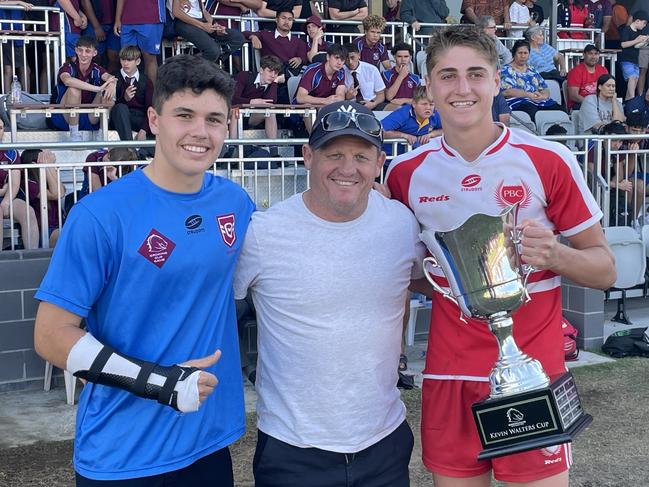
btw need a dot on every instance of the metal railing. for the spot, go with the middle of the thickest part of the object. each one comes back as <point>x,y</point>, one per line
<point>266,179</point>
<point>28,41</point>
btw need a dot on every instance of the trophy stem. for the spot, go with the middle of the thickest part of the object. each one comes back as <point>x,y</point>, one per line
<point>515,371</point>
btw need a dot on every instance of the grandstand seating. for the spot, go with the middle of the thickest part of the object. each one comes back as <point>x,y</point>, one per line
<point>522,120</point>
<point>555,90</point>
<point>546,118</point>
<point>630,263</point>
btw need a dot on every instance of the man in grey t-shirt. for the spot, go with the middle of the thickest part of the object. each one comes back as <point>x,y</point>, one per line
<point>328,271</point>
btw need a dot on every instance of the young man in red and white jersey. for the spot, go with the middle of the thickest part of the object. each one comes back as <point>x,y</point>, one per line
<point>479,166</point>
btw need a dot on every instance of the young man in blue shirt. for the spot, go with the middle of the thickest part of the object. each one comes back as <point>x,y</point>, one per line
<point>148,262</point>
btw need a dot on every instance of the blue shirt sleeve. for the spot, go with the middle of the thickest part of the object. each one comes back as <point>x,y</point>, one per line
<point>80,265</point>
<point>395,120</point>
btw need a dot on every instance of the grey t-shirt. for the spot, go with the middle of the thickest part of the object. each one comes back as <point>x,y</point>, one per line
<point>330,300</point>
<point>594,110</point>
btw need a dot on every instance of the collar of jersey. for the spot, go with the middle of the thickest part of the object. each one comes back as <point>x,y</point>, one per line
<point>491,149</point>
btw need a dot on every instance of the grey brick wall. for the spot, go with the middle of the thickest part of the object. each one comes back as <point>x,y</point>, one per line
<point>20,275</point>
<point>584,308</point>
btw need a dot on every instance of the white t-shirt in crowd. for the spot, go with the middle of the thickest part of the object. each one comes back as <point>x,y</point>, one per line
<point>519,14</point>
<point>330,301</point>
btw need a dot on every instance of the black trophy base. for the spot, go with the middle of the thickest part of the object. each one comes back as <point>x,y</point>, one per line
<point>530,420</point>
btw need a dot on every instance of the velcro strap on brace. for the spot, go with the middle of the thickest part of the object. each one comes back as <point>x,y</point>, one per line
<point>139,377</point>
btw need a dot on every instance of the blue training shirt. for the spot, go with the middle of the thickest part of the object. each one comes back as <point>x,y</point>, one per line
<point>151,271</point>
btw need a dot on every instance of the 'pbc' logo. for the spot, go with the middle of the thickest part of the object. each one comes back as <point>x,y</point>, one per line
<point>510,195</point>
<point>226,226</point>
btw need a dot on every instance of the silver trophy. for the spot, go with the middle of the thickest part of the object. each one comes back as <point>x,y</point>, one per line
<point>487,280</point>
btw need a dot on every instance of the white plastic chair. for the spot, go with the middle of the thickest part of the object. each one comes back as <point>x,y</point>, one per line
<point>522,120</point>
<point>630,263</point>
<point>381,114</point>
<point>555,90</point>
<point>415,306</point>
<point>420,61</point>
<point>544,119</point>
<point>292,85</point>
<point>70,383</point>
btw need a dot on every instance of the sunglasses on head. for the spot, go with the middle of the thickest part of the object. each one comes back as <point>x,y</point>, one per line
<point>340,120</point>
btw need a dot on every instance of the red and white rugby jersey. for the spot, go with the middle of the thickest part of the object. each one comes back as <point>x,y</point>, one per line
<point>443,190</point>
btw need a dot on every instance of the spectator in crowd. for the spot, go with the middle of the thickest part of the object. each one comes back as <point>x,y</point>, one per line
<point>619,18</point>
<point>472,10</point>
<point>234,8</point>
<point>627,186</point>
<point>556,129</point>
<point>391,10</point>
<point>602,107</point>
<point>30,189</point>
<point>544,58</point>
<point>600,12</point>
<point>522,86</point>
<point>197,26</point>
<point>500,111</point>
<point>140,24</point>
<point>315,41</point>
<point>10,203</point>
<point>372,50</point>
<point>74,22</point>
<point>488,24</point>
<point>519,16</point>
<point>636,123</point>
<point>290,49</point>
<point>582,79</point>
<point>347,10</point>
<point>400,82</point>
<point>323,83</point>
<point>417,122</point>
<point>13,59</point>
<point>360,250</point>
<point>134,96</point>
<point>83,82</point>
<point>417,12</point>
<point>100,25</point>
<point>631,41</point>
<point>363,81</point>
<point>259,89</point>
<point>537,16</point>
<point>96,177</point>
<point>573,13</point>
<point>270,8</point>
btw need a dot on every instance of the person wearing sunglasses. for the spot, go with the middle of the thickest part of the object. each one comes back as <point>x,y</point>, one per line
<point>328,270</point>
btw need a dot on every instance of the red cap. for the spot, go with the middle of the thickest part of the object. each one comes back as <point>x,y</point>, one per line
<point>314,19</point>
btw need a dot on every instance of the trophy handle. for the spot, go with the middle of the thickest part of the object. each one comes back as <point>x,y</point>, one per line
<point>432,282</point>
<point>517,235</point>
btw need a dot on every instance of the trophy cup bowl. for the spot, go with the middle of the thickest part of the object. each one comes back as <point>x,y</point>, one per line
<point>487,280</point>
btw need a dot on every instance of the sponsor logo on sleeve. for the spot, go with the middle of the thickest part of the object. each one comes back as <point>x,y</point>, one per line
<point>156,248</point>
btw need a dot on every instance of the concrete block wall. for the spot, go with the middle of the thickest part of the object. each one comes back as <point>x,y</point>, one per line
<point>20,275</point>
<point>22,271</point>
<point>584,308</point>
